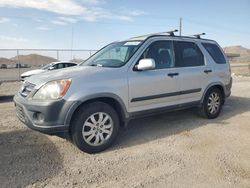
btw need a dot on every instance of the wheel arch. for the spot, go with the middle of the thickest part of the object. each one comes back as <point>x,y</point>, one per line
<point>110,99</point>
<point>218,85</point>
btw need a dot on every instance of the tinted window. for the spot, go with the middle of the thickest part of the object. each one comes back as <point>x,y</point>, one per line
<point>215,53</point>
<point>161,52</point>
<point>187,54</point>
<point>59,66</point>
<point>70,64</point>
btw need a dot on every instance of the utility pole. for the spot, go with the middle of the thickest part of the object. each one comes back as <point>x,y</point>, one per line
<point>180,29</point>
<point>72,42</point>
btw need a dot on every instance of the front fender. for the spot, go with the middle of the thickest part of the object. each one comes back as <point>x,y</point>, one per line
<point>87,98</point>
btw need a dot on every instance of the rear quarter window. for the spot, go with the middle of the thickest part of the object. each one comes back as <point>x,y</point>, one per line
<point>215,52</point>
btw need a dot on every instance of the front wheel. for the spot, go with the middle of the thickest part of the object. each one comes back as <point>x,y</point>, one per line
<point>95,127</point>
<point>212,104</point>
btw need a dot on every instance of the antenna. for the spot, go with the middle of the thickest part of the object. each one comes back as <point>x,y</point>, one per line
<point>198,36</point>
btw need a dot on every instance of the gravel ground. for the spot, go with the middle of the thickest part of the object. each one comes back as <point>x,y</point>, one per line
<point>176,149</point>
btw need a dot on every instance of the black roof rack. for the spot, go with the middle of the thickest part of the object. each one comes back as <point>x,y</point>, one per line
<point>171,33</point>
<point>198,36</point>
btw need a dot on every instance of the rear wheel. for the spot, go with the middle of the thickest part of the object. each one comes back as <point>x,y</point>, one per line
<point>95,127</point>
<point>212,103</point>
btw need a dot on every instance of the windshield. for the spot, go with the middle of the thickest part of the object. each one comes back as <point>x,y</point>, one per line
<point>114,55</point>
<point>46,67</point>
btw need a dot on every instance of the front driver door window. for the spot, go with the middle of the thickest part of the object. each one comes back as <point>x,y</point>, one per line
<point>162,53</point>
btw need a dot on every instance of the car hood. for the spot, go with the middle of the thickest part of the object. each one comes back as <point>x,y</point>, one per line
<point>68,73</point>
<point>32,72</point>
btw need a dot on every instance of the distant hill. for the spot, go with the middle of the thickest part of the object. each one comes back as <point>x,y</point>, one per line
<point>34,59</point>
<point>6,61</point>
<point>243,52</point>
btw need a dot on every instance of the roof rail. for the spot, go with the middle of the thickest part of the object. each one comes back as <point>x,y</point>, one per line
<point>171,33</point>
<point>198,36</point>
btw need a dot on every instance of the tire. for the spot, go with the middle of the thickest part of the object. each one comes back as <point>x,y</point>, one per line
<point>94,127</point>
<point>212,104</point>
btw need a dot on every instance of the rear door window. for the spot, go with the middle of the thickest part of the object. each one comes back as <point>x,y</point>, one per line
<point>215,52</point>
<point>70,65</point>
<point>59,66</point>
<point>187,54</point>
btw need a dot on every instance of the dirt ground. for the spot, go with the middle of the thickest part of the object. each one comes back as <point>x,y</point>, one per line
<point>13,74</point>
<point>177,149</point>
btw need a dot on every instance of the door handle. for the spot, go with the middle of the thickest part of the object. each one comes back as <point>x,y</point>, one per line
<point>207,71</point>
<point>173,74</point>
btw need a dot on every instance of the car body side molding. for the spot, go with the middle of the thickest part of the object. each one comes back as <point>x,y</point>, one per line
<point>165,95</point>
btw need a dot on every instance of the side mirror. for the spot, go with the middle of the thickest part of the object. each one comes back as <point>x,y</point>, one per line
<point>52,68</point>
<point>145,64</point>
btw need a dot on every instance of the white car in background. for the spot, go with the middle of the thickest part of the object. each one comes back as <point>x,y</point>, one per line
<point>51,66</point>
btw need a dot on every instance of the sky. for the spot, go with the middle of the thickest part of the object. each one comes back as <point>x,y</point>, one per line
<point>91,24</point>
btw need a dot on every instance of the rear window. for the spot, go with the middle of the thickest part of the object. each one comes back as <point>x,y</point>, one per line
<point>215,53</point>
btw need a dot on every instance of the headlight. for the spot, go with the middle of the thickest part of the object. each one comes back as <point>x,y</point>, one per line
<point>52,90</point>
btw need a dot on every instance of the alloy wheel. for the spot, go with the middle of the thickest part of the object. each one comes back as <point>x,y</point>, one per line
<point>97,129</point>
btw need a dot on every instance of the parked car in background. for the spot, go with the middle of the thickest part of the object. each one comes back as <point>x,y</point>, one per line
<point>3,66</point>
<point>51,66</point>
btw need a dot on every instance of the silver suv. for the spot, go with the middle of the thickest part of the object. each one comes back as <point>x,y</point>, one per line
<point>124,80</point>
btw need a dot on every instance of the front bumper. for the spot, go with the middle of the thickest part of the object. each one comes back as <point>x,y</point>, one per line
<point>49,117</point>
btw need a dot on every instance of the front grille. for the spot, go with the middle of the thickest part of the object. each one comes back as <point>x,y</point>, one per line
<point>20,113</point>
<point>26,89</point>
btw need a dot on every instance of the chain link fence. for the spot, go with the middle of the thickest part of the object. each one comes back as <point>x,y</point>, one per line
<point>14,62</point>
